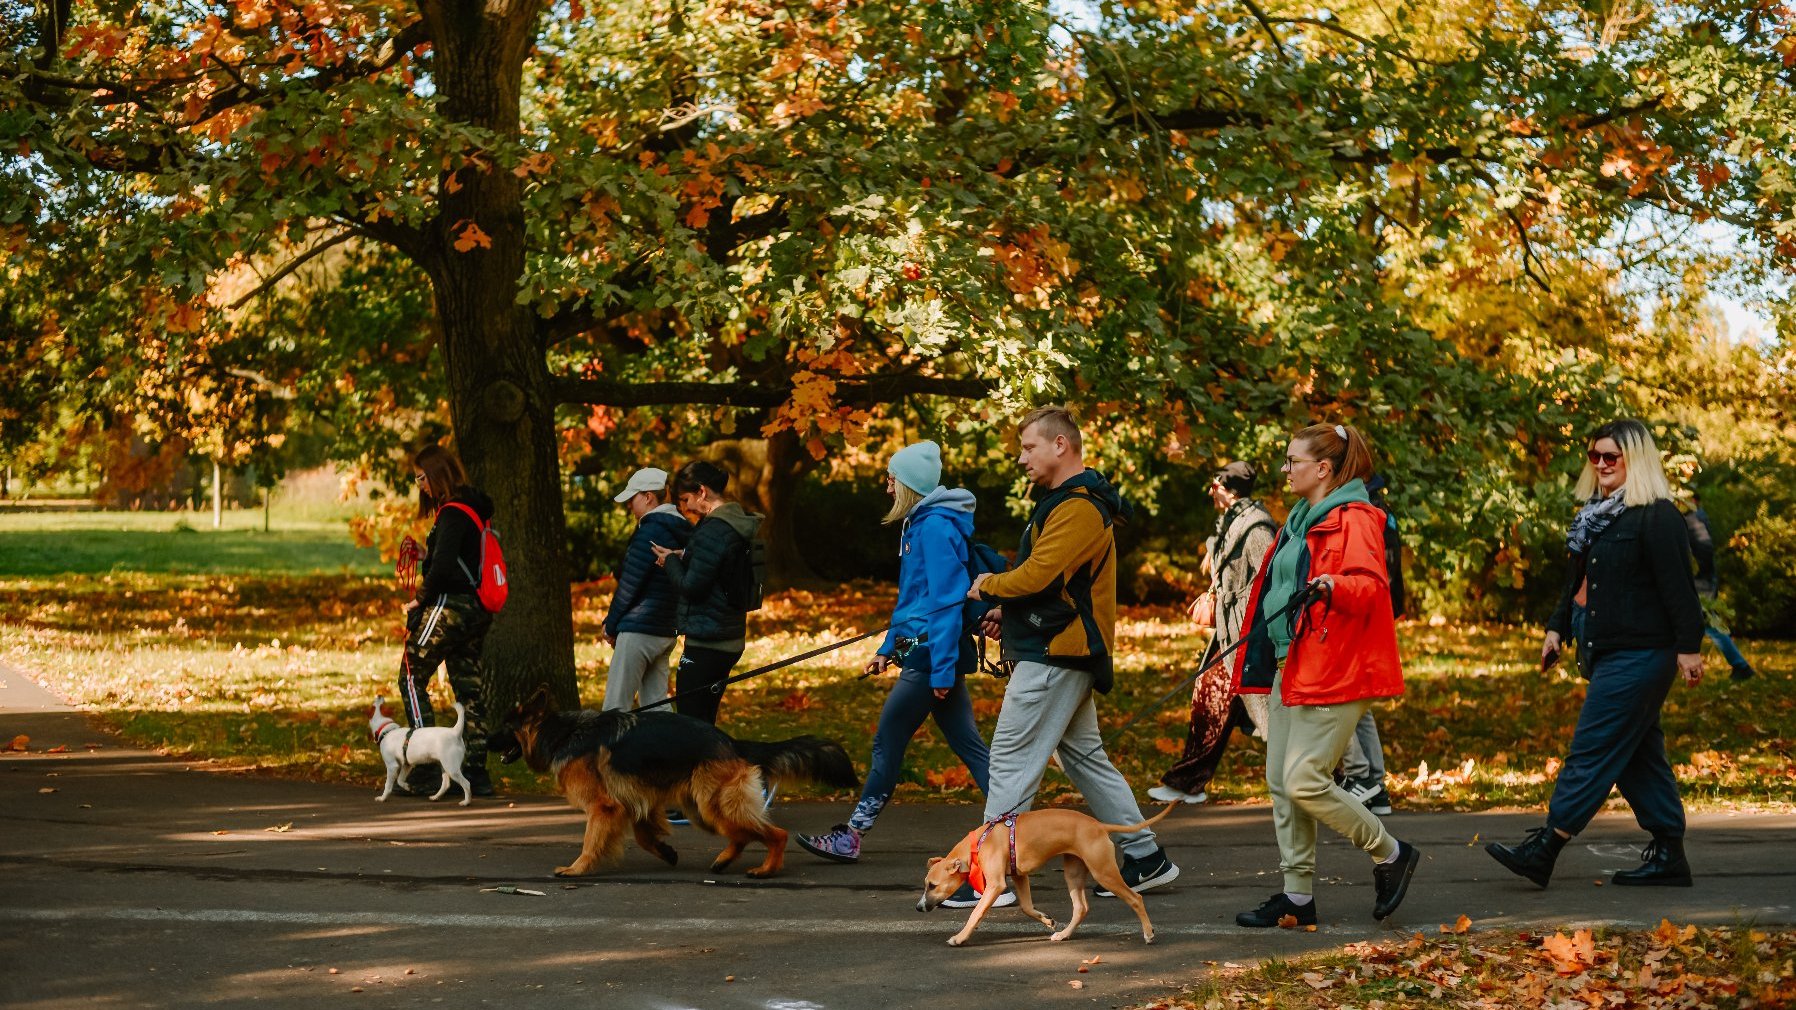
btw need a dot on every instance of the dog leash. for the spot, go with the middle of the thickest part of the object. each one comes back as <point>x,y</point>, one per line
<point>718,687</point>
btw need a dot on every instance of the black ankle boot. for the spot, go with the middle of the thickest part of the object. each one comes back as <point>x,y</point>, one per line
<point>479,782</point>
<point>1663,865</point>
<point>1533,858</point>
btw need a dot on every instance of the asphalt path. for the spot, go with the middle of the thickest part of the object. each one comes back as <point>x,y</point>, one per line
<point>134,880</point>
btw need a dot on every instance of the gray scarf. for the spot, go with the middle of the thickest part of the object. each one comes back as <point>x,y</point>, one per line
<point>1592,520</point>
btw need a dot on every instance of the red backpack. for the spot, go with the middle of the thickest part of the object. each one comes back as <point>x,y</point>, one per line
<point>493,587</point>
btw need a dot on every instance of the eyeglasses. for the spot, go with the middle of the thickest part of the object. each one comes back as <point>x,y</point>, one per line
<point>1291,461</point>
<point>1603,458</point>
<point>420,478</point>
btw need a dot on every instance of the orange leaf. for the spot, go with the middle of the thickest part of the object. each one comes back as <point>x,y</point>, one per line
<point>19,743</point>
<point>472,236</point>
<point>1287,921</point>
<point>58,749</point>
<point>1570,955</point>
<point>1459,926</point>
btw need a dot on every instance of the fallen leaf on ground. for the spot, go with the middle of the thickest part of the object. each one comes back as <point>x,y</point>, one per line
<point>19,743</point>
<point>333,971</point>
<point>60,748</point>
<point>221,831</point>
<point>280,828</point>
<point>46,789</point>
<point>1317,980</point>
<point>1287,921</point>
<point>1077,984</point>
<point>1570,954</point>
<point>1460,925</point>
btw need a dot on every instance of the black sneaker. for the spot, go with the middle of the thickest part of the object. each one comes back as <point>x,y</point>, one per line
<point>1371,794</point>
<point>423,781</point>
<point>1391,880</point>
<point>966,897</point>
<point>1275,908</point>
<point>1742,672</point>
<point>1145,873</point>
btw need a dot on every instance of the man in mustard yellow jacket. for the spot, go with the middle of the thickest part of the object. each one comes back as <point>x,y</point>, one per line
<point>1058,614</point>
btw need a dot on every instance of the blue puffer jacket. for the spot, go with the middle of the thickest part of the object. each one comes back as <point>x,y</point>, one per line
<point>645,601</point>
<point>932,583</point>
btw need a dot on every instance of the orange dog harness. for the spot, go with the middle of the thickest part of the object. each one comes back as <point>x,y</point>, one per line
<point>976,875</point>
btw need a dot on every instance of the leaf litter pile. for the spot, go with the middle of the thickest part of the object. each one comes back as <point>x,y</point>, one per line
<point>1667,967</point>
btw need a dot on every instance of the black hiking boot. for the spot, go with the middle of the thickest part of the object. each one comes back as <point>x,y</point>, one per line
<point>1664,866</point>
<point>1533,858</point>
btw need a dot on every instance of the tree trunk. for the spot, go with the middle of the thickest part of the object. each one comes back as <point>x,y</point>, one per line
<point>217,496</point>
<point>764,476</point>
<point>499,400</point>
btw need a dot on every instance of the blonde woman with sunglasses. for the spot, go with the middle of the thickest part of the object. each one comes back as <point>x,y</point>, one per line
<point>1630,605</point>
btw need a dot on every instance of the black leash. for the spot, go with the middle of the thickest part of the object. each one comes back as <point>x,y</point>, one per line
<point>717,688</point>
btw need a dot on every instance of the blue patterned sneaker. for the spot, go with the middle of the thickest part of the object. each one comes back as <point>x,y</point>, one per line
<point>841,845</point>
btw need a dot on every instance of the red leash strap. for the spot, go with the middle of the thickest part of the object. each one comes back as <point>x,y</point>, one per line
<point>405,568</point>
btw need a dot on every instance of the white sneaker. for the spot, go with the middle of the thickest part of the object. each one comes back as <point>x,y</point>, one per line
<point>1167,794</point>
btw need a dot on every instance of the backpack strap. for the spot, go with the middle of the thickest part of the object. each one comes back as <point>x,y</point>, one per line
<point>480,528</point>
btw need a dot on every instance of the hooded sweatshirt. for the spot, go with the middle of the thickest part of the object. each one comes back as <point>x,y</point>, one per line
<point>932,584</point>
<point>710,577</point>
<point>645,602</point>
<point>452,550</point>
<point>1283,581</point>
<point>1060,598</point>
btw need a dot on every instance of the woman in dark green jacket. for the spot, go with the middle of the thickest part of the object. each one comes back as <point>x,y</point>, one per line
<point>712,576</point>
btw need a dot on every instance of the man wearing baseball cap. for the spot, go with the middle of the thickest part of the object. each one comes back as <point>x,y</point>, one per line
<point>640,626</point>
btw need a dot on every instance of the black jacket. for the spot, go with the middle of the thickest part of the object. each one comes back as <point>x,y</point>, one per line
<point>710,577</point>
<point>452,551</point>
<point>645,601</point>
<point>1641,592</point>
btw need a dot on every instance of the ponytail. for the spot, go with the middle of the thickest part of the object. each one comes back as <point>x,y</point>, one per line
<point>1343,446</point>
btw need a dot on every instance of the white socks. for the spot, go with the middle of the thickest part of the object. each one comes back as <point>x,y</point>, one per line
<point>1398,851</point>
<point>1299,900</point>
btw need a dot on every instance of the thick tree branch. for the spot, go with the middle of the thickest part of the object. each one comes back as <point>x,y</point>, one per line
<point>860,390</point>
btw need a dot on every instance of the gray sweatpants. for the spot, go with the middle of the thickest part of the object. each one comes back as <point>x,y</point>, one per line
<point>639,665</point>
<point>1048,710</point>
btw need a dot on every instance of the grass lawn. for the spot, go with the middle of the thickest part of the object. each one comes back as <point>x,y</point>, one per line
<point>1500,970</point>
<point>98,543</point>
<point>237,646</point>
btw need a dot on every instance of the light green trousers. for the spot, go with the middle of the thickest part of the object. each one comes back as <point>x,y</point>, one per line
<point>1304,743</point>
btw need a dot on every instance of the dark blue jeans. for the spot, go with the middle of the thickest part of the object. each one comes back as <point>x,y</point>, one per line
<point>911,702</point>
<point>1618,744</point>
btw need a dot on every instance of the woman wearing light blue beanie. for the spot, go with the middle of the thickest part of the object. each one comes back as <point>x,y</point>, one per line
<point>926,641</point>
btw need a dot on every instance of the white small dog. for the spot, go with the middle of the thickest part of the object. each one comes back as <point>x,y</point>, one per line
<point>404,749</point>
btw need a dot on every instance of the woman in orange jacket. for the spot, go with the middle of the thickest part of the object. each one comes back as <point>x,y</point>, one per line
<point>1323,664</point>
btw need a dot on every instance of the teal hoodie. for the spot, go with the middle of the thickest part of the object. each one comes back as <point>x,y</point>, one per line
<point>1281,583</point>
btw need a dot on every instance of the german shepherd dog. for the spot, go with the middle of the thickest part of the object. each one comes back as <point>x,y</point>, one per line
<point>624,769</point>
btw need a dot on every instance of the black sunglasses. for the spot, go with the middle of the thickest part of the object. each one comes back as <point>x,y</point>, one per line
<point>1603,458</point>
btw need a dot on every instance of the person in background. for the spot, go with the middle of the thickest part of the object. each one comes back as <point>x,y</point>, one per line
<point>1708,586</point>
<point>1058,615</point>
<point>640,625</point>
<point>1630,604</point>
<point>926,642</point>
<point>445,623</point>
<point>708,574</point>
<point>1323,663</point>
<point>1362,769</point>
<point>1244,530</point>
